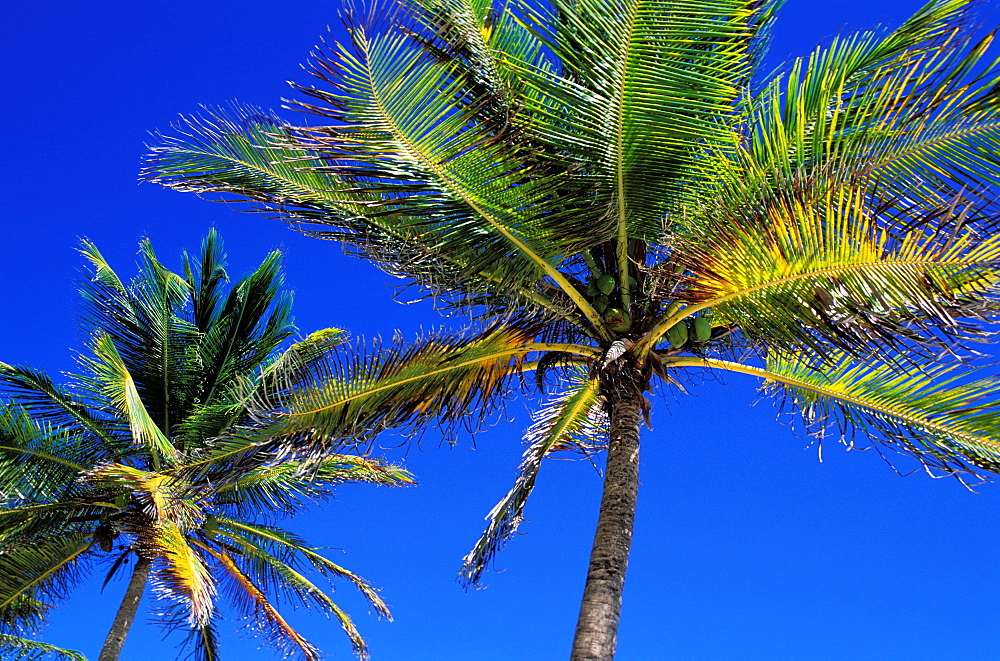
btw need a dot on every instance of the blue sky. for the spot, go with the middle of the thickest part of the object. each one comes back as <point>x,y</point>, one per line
<point>746,546</point>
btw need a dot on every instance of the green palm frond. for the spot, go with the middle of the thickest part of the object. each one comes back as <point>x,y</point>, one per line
<point>810,274</point>
<point>405,132</point>
<point>289,485</point>
<point>37,524</point>
<point>112,377</point>
<point>236,155</point>
<point>34,576</point>
<point>572,420</point>
<point>40,498</point>
<point>35,462</point>
<point>847,99</point>
<point>60,409</point>
<point>355,394</point>
<point>206,281</point>
<point>249,326</point>
<point>147,326</point>
<point>939,414</point>
<point>490,43</point>
<point>15,647</point>
<point>916,108</point>
<point>657,85</point>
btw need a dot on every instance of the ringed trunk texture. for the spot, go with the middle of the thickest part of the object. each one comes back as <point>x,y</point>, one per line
<point>126,612</point>
<point>597,626</point>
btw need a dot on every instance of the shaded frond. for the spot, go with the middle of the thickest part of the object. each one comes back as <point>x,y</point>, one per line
<point>36,463</point>
<point>33,576</point>
<point>60,409</point>
<point>206,281</point>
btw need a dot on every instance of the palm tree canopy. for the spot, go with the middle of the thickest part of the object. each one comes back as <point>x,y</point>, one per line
<point>612,185</point>
<point>153,451</point>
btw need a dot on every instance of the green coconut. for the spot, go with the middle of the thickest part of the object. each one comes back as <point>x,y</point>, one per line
<point>678,335</point>
<point>701,329</point>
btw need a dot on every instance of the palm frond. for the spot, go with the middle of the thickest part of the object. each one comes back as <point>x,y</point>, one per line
<point>916,106</point>
<point>249,326</point>
<point>292,550</point>
<point>15,647</point>
<point>278,633</point>
<point>146,323</point>
<point>356,394</point>
<point>266,570</point>
<point>836,271</point>
<point>114,379</point>
<point>32,576</point>
<point>656,85</point>
<point>207,281</point>
<point>288,486</point>
<point>59,409</point>
<point>243,154</point>
<point>180,573</point>
<point>203,639</point>
<point>40,497</point>
<point>34,524</point>
<point>940,414</point>
<point>402,130</point>
<point>572,420</point>
<point>36,462</point>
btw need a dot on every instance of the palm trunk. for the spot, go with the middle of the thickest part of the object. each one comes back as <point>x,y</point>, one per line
<point>126,612</point>
<point>597,626</point>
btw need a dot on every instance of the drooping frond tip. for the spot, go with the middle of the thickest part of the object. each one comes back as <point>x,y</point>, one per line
<point>573,420</point>
<point>942,415</point>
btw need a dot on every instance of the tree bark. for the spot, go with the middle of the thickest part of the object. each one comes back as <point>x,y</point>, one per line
<point>597,626</point>
<point>126,612</point>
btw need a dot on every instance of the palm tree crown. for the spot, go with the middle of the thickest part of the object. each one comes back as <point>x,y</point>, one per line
<point>153,453</point>
<point>617,197</point>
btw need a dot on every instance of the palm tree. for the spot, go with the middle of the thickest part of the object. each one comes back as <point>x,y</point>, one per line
<point>617,199</point>
<point>152,455</point>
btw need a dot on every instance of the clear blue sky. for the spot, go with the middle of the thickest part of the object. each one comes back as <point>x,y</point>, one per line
<point>746,546</point>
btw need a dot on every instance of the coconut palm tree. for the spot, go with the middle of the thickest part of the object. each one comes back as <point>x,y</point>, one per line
<point>618,199</point>
<point>151,456</point>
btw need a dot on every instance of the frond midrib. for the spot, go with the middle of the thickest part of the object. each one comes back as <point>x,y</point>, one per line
<point>651,336</point>
<point>477,206</point>
<point>925,424</point>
